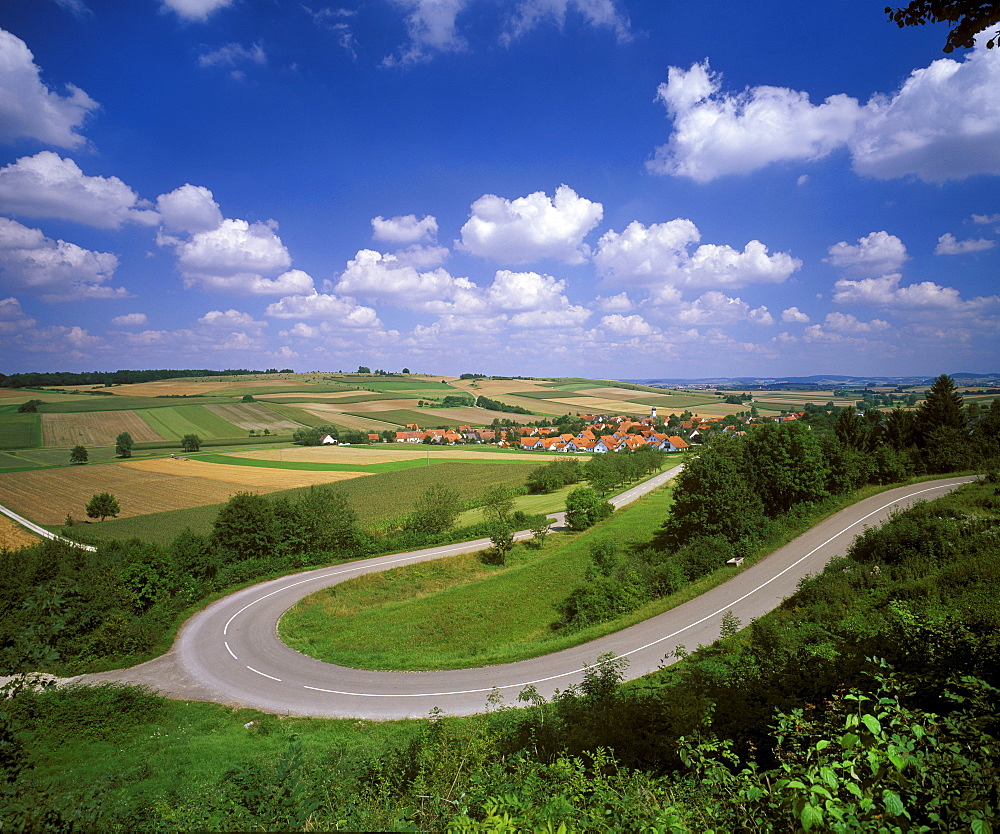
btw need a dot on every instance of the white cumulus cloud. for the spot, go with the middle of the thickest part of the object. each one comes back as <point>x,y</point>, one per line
<point>948,245</point>
<point>943,123</point>
<point>627,326</point>
<point>54,270</point>
<point>431,26</point>
<point>195,9</point>
<point>793,315</point>
<point>337,310</point>
<point>46,185</point>
<point>404,228</point>
<point>372,274</point>
<point>529,14</point>
<point>886,292</point>
<point>531,228</point>
<point>878,252</point>
<point>28,108</point>
<point>661,255</point>
<point>130,320</point>
<point>190,208</point>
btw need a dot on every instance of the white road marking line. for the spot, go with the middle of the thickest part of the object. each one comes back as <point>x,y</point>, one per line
<point>272,677</point>
<point>230,650</point>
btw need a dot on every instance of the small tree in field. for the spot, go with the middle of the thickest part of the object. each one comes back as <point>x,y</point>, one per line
<point>502,539</point>
<point>103,505</point>
<point>191,443</point>
<point>123,445</point>
<point>78,454</point>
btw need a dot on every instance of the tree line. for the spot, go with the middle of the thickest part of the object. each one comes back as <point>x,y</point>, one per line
<point>49,379</point>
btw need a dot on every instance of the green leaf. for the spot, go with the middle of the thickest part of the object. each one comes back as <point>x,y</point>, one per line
<point>811,816</point>
<point>848,741</point>
<point>871,722</point>
<point>828,776</point>
<point>822,745</point>
<point>893,804</point>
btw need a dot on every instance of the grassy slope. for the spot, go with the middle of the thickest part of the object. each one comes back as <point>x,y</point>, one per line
<point>457,612</point>
<point>20,431</point>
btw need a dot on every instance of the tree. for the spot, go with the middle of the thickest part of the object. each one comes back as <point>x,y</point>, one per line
<point>786,465</point>
<point>245,527</point>
<point>406,370</point>
<point>102,505</point>
<point>78,454</point>
<point>248,398</point>
<point>364,369</point>
<point>942,407</point>
<point>30,407</point>
<point>502,539</point>
<point>191,443</point>
<point>436,510</point>
<point>965,18</point>
<point>584,508</point>
<point>123,445</point>
<point>498,503</point>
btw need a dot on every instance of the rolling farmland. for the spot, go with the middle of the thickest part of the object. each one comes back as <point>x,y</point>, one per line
<point>95,428</point>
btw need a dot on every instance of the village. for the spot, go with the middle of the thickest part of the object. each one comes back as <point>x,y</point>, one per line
<point>602,433</point>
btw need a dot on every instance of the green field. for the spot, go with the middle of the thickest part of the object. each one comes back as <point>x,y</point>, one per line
<point>20,431</point>
<point>116,403</point>
<point>458,613</point>
<point>368,497</point>
<point>417,387</point>
<point>423,417</point>
<point>173,422</point>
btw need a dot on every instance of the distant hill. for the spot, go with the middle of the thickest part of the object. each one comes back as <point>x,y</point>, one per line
<point>817,381</point>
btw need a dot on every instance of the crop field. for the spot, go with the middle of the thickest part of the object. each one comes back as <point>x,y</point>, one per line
<point>342,420</point>
<point>389,453</point>
<point>174,421</point>
<point>95,428</point>
<point>46,496</point>
<point>20,431</point>
<point>254,417</point>
<point>423,417</point>
<point>13,535</point>
<point>367,495</point>
<point>194,386</point>
<point>266,479</point>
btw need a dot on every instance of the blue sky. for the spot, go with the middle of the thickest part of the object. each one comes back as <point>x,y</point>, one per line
<point>622,188</point>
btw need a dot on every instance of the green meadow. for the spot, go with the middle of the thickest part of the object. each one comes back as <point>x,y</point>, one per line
<point>173,422</point>
<point>20,431</point>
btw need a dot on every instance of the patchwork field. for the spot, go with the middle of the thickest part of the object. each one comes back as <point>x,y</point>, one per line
<point>95,428</point>
<point>391,453</point>
<point>46,496</point>
<point>173,422</point>
<point>254,417</point>
<point>333,414</point>
<point>20,431</point>
<point>258,478</point>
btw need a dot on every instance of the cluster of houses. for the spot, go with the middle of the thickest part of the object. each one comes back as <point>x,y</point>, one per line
<point>603,434</point>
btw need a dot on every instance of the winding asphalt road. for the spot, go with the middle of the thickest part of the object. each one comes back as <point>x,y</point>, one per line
<point>230,653</point>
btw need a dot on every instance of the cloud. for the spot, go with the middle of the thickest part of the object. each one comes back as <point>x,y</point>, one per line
<point>190,208</point>
<point>846,323</point>
<point>230,318</point>
<point>232,54</point>
<point>79,9</point>
<point>12,318</point>
<point>195,9</point>
<point>943,123</point>
<point>29,109</point>
<point>531,228</point>
<point>715,135</point>
<point>530,14</point>
<point>405,228</point>
<point>620,303</point>
<point>925,296</point>
<point>948,245</point>
<point>54,270</point>
<point>878,252</point>
<point>793,315</point>
<point>716,308</point>
<point>371,274</point>
<point>343,312</point>
<point>627,326</point>
<point>45,185</point>
<point>130,320</point>
<point>431,27</point>
<point>333,21</point>
<point>659,256</point>
<point>983,219</point>
<point>235,257</point>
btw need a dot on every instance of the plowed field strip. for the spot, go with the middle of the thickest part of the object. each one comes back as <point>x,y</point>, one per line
<point>95,428</point>
<point>347,421</point>
<point>252,416</point>
<point>240,476</point>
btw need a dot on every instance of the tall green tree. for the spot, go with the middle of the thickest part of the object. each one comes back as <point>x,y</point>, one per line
<point>943,407</point>
<point>584,508</point>
<point>191,443</point>
<point>786,465</point>
<point>245,527</point>
<point>435,511</point>
<point>123,445</point>
<point>102,505</point>
<point>78,454</point>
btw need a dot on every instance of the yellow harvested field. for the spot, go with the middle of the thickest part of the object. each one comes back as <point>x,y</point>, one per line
<point>94,428</point>
<point>323,395</point>
<point>209,385</point>
<point>14,536</point>
<point>480,416</point>
<point>589,405</point>
<point>392,452</point>
<point>378,405</point>
<point>239,476</point>
<point>47,496</point>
